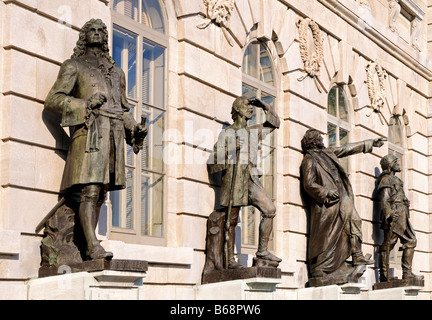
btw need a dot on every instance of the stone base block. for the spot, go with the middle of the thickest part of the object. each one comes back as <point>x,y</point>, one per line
<point>400,293</point>
<point>244,289</point>
<point>238,274</point>
<point>347,291</point>
<point>395,283</point>
<point>95,265</point>
<point>99,285</point>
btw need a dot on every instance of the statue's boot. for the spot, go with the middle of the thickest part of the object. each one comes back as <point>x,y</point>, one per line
<point>98,252</point>
<point>265,228</point>
<point>87,214</point>
<point>357,256</point>
<point>232,263</point>
<point>407,258</point>
<point>384,268</point>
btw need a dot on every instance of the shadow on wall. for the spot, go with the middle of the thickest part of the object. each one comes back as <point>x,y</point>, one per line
<point>305,198</point>
<point>377,233</point>
<point>52,122</point>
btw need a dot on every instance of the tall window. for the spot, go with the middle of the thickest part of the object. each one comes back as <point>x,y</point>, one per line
<point>337,120</point>
<point>139,48</point>
<point>258,77</point>
<point>395,140</point>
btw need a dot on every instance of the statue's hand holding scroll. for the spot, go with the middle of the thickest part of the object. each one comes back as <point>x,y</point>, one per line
<point>140,133</point>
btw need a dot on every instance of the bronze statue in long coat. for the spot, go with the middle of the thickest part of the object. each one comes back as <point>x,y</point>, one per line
<point>335,227</point>
<point>90,96</point>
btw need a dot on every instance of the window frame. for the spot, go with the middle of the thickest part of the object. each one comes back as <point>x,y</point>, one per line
<point>260,87</point>
<point>143,33</point>
<point>338,122</point>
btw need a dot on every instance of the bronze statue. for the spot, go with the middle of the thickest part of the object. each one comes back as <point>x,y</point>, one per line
<point>395,220</point>
<point>335,227</point>
<point>235,156</point>
<point>90,96</point>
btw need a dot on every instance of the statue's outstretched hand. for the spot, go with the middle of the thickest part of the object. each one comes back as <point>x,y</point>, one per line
<point>379,142</point>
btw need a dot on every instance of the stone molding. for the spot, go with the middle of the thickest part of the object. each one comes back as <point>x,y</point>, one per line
<point>412,8</point>
<point>421,66</point>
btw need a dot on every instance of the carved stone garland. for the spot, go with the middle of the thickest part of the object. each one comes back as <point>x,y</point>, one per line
<point>219,12</point>
<point>376,93</point>
<point>311,57</point>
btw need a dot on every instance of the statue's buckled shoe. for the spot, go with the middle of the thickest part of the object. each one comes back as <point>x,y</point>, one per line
<point>98,252</point>
<point>267,255</point>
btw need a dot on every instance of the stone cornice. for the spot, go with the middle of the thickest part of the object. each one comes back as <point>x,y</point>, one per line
<point>413,8</point>
<point>420,64</point>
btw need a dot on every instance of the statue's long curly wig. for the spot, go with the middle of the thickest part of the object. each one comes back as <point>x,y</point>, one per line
<point>81,45</point>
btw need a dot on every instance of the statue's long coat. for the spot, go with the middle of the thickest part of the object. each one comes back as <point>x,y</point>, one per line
<point>77,81</point>
<point>329,244</point>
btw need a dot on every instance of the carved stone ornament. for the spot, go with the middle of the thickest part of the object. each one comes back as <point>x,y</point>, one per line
<point>376,91</point>
<point>219,12</point>
<point>394,11</point>
<point>311,48</point>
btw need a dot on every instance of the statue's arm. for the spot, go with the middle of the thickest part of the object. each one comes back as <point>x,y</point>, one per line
<point>353,148</point>
<point>218,158</point>
<point>272,120</point>
<point>365,146</point>
<point>60,100</point>
<point>384,194</point>
<point>315,190</point>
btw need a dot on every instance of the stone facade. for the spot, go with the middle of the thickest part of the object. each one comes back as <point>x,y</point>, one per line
<point>204,76</point>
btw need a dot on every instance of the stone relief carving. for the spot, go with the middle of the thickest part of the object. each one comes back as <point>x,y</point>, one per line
<point>219,12</point>
<point>417,14</point>
<point>394,11</point>
<point>376,91</point>
<point>311,48</point>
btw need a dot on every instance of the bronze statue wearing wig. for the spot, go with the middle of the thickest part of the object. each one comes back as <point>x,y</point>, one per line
<point>90,96</point>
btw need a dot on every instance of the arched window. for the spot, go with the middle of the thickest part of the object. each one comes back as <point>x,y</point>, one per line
<point>338,126</point>
<point>139,48</point>
<point>258,77</point>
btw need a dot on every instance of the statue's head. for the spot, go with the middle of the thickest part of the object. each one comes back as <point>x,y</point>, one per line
<point>390,163</point>
<point>241,107</point>
<point>93,33</point>
<point>312,139</point>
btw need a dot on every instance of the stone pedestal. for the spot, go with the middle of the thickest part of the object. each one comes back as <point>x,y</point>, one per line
<point>95,265</point>
<point>400,293</point>
<point>347,291</point>
<point>396,283</point>
<point>243,289</point>
<point>239,274</point>
<point>90,280</point>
